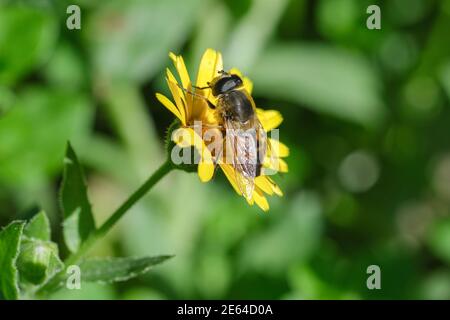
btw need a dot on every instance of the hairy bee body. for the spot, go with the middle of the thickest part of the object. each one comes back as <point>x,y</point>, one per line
<point>235,106</point>
<point>245,137</point>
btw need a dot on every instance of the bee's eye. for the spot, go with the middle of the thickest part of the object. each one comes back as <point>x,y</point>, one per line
<point>226,84</point>
<point>237,80</point>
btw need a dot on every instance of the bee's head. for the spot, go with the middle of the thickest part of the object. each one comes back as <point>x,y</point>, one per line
<point>225,82</point>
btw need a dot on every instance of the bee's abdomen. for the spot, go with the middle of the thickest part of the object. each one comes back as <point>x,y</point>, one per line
<point>238,105</point>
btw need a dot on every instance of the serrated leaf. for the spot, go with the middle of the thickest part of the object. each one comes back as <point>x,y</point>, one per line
<point>9,250</point>
<point>38,227</point>
<point>78,219</point>
<point>107,270</point>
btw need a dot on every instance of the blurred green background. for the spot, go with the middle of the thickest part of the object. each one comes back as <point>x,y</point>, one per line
<point>367,120</point>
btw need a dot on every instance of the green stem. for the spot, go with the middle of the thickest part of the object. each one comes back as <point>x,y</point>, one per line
<point>99,233</point>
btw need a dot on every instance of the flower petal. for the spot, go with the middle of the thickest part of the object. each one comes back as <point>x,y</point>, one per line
<point>181,68</point>
<point>229,173</point>
<point>275,163</point>
<point>276,189</point>
<point>268,185</point>
<point>260,200</point>
<point>235,71</point>
<point>185,137</point>
<point>232,177</point>
<point>169,105</point>
<point>179,64</point>
<point>177,94</point>
<point>278,148</point>
<point>258,196</point>
<point>282,165</point>
<point>248,84</point>
<point>182,137</point>
<point>210,64</point>
<point>262,183</point>
<point>205,169</point>
<point>270,119</point>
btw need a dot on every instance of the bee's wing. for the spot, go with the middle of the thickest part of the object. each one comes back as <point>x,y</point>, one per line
<point>263,144</point>
<point>243,151</point>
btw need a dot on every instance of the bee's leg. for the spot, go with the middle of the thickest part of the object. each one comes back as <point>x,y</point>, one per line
<point>210,104</point>
<point>202,88</point>
<point>195,94</point>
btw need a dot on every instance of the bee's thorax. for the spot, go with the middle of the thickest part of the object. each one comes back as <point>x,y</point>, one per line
<point>236,106</point>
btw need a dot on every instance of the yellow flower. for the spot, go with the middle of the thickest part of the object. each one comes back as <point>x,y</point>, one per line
<point>191,110</point>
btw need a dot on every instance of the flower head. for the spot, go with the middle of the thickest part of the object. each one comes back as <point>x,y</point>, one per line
<point>196,117</point>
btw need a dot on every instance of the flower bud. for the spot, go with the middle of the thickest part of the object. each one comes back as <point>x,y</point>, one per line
<point>34,259</point>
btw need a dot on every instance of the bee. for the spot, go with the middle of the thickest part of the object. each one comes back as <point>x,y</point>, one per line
<point>245,139</point>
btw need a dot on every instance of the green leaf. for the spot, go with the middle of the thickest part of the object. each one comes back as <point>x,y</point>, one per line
<point>27,37</point>
<point>439,239</point>
<point>445,77</point>
<point>325,79</point>
<point>30,153</point>
<point>78,219</point>
<point>38,227</point>
<point>106,270</point>
<point>7,98</point>
<point>9,250</point>
<point>55,265</point>
<point>66,68</point>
